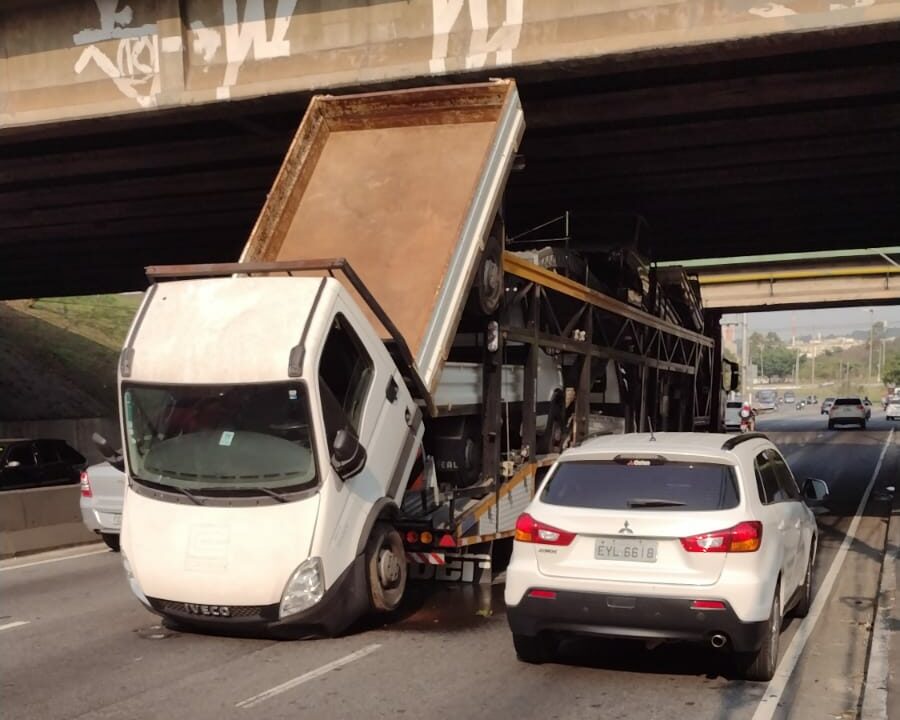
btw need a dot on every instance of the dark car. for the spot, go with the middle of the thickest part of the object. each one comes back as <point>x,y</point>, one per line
<point>26,463</point>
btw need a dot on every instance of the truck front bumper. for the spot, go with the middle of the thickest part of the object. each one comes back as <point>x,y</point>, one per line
<point>342,604</point>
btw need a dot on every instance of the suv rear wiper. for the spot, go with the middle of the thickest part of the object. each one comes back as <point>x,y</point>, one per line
<point>653,502</point>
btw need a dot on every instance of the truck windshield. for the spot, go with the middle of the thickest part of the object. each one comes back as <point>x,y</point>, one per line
<point>220,440</point>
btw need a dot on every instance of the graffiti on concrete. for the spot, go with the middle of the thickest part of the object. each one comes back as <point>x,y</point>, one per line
<point>134,67</point>
<point>129,54</point>
<point>482,44</point>
<point>249,35</point>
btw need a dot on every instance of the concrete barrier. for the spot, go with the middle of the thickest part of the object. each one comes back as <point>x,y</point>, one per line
<point>41,519</point>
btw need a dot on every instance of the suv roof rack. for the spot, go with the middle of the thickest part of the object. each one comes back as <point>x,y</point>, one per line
<point>732,442</point>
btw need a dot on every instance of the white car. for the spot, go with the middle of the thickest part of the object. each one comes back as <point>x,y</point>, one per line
<point>682,536</point>
<point>103,495</point>
<point>892,410</point>
<point>848,411</point>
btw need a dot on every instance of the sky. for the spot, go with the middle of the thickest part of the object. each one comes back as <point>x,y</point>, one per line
<point>828,321</point>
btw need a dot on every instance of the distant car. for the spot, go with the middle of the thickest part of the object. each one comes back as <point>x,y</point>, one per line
<point>103,494</point>
<point>790,397</point>
<point>892,411</point>
<point>847,411</point>
<point>826,405</point>
<point>678,536</point>
<point>41,462</point>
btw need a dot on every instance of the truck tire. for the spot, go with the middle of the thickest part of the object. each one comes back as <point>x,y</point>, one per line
<point>489,276</point>
<point>385,568</point>
<point>111,540</point>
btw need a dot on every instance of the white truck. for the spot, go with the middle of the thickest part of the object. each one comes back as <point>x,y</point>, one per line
<point>299,431</point>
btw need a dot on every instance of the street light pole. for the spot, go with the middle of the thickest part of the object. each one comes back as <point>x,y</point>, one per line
<point>871,339</point>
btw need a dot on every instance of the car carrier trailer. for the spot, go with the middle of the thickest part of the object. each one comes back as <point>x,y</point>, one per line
<point>377,379</point>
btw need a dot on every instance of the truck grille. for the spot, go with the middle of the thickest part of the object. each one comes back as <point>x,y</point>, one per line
<point>263,613</point>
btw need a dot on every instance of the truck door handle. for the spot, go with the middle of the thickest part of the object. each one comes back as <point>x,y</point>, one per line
<point>391,391</point>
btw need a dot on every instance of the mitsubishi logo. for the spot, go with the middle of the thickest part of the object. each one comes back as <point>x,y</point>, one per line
<point>626,530</point>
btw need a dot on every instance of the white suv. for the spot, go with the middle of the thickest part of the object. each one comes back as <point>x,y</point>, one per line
<point>681,536</point>
<point>847,411</point>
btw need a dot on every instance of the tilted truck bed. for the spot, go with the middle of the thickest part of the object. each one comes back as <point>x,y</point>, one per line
<point>404,185</point>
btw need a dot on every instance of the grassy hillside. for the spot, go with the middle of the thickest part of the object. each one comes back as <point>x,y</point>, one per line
<point>58,356</point>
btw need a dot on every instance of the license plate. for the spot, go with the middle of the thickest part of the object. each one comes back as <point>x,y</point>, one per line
<point>627,549</point>
<point>113,520</point>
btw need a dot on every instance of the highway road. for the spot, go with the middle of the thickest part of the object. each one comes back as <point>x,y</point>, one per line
<point>75,644</point>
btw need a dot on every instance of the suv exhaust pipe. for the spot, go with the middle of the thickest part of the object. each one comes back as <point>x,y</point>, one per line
<point>718,641</point>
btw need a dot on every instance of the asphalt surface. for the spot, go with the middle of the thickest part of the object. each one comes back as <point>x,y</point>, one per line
<point>87,649</point>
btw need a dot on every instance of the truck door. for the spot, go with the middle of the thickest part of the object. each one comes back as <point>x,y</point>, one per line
<point>364,390</point>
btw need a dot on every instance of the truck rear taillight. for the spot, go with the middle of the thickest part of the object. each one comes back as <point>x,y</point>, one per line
<point>743,537</point>
<point>85,485</point>
<point>529,530</point>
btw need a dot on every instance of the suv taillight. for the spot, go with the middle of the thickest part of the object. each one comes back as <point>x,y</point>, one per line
<point>743,537</point>
<point>85,485</point>
<point>530,530</point>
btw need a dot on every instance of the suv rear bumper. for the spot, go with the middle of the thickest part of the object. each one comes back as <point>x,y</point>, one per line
<point>637,617</point>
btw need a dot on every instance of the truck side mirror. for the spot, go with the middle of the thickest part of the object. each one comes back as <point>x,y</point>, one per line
<point>111,456</point>
<point>735,380</point>
<point>348,456</point>
<point>815,492</point>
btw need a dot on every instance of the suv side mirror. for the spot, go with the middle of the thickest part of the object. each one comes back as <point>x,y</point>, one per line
<point>815,492</point>
<point>348,456</point>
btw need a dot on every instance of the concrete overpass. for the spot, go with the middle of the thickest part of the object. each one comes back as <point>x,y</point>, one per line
<point>148,132</point>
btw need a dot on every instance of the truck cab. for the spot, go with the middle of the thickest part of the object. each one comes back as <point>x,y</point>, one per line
<point>318,437</point>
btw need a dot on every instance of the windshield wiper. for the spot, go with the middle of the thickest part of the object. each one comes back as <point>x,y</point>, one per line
<point>188,493</point>
<point>271,493</point>
<point>653,502</point>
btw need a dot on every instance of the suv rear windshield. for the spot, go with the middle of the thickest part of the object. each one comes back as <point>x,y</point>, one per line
<point>848,401</point>
<point>638,485</point>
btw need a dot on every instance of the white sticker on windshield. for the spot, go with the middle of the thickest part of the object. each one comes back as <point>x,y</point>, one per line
<point>226,438</point>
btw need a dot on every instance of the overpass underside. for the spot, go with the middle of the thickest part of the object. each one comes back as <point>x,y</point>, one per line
<point>786,281</point>
<point>149,132</point>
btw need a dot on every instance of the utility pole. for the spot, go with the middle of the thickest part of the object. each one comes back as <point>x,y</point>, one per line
<point>796,366</point>
<point>871,339</point>
<point>745,359</point>
<point>881,364</point>
<point>813,378</point>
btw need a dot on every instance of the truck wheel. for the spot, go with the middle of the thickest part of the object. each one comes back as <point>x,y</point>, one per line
<point>489,277</point>
<point>111,540</point>
<point>760,665</point>
<point>551,440</point>
<point>386,568</point>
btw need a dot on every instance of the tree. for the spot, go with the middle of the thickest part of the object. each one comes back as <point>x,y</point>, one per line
<point>891,374</point>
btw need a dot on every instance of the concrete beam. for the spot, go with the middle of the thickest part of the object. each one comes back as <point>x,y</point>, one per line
<point>787,290</point>
<point>78,59</point>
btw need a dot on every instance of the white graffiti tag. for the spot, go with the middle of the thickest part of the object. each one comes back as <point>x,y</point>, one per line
<point>135,68</point>
<point>481,44</point>
<point>242,37</point>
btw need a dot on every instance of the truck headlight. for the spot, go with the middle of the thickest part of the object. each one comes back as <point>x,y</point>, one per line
<point>304,589</point>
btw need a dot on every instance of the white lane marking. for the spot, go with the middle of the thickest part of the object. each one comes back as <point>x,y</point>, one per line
<point>306,677</point>
<point>775,689</point>
<point>53,560</point>
<point>875,689</point>
<point>11,625</point>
